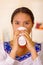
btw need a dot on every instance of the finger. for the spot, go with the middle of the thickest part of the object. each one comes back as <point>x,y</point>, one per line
<point>17,32</point>
<point>27,37</point>
<point>26,34</point>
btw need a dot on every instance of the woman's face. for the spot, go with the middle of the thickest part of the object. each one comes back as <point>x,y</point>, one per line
<point>24,20</point>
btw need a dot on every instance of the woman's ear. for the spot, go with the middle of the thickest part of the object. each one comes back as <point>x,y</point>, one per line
<point>12,24</point>
<point>32,24</point>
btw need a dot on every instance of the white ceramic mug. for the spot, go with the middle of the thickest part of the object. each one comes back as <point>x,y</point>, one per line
<point>21,40</point>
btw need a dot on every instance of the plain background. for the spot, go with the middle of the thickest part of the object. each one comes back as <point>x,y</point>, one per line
<point>6,9</point>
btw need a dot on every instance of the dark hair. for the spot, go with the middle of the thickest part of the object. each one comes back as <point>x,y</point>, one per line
<point>23,10</point>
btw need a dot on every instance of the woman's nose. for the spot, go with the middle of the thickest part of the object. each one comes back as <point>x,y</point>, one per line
<point>22,25</point>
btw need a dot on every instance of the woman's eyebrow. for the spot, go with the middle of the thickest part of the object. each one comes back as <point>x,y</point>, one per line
<point>19,21</point>
<point>27,21</point>
<point>16,21</point>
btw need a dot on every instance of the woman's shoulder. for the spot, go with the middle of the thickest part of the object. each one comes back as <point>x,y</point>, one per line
<point>38,46</point>
<point>2,51</point>
<point>7,46</point>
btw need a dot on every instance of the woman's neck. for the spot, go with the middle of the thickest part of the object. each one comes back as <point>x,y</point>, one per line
<point>22,51</point>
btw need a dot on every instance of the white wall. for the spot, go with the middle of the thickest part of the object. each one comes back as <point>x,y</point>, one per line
<point>7,7</point>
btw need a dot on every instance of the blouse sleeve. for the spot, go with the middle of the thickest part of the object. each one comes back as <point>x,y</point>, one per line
<point>39,59</point>
<point>5,59</point>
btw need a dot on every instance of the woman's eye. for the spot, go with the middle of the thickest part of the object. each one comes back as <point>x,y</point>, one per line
<point>26,23</point>
<point>16,22</point>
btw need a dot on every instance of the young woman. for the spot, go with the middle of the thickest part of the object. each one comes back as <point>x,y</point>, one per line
<point>11,53</point>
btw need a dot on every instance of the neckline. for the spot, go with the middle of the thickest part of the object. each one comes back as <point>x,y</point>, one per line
<point>8,48</point>
<point>23,57</point>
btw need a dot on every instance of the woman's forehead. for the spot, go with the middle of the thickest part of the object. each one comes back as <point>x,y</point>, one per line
<point>22,16</point>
